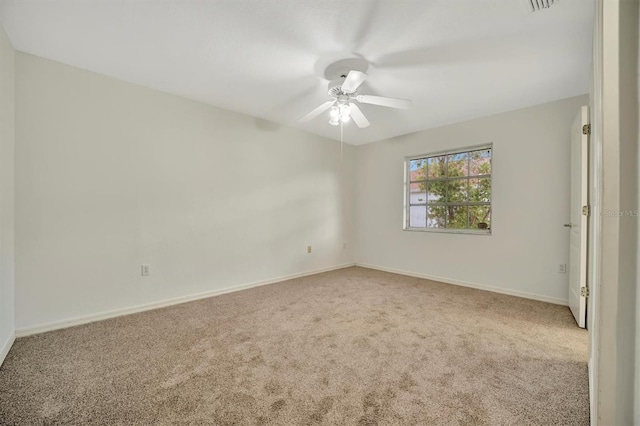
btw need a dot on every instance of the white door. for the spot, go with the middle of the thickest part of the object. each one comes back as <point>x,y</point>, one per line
<point>579,214</point>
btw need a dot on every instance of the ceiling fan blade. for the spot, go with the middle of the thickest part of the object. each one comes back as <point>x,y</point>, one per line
<point>316,112</point>
<point>358,117</point>
<point>353,81</point>
<point>385,102</point>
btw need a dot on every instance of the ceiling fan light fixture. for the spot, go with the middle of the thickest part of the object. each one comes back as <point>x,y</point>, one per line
<point>339,113</point>
<point>345,112</point>
<point>334,112</point>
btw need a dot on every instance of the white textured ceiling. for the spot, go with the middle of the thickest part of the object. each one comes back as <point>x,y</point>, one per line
<point>456,59</point>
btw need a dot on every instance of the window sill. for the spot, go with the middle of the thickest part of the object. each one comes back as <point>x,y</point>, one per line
<point>451,231</point>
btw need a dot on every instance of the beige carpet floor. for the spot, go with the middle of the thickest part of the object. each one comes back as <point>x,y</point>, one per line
<point>348,347</point>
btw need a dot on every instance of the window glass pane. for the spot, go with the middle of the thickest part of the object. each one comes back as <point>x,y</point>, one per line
<point>457,217</point>
<point>437,191</point>
<point>479,217</point>
<point>437,166</point>
<point>442,191</point>
<point>480,190</point>
<point>418,216</point>
<point>480,162</point>
<point>436,217</point>
<point>458,164</point>
<point>418,169</point>
<point>457,190</point>
<point>418,193</point>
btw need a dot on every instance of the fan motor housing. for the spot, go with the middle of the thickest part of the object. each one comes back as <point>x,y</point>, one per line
<point>335,87</point>
<point>338,71</point>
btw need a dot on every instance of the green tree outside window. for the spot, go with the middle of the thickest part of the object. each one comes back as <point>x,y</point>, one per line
<point>456,188</point>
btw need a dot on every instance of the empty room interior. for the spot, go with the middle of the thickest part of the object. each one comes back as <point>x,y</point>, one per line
<point>365,212</point>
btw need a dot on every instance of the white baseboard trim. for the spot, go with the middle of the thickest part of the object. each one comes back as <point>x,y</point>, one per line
<point>523,294</point>
<point>4,351</point>
<point>85,319</point>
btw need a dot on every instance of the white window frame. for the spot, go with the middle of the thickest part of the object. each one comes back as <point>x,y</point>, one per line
<point>407,193</point>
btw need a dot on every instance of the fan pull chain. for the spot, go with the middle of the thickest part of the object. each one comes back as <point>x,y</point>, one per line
<point>341,139</point>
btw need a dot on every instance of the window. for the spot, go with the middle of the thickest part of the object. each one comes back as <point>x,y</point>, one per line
<point>450,191</point>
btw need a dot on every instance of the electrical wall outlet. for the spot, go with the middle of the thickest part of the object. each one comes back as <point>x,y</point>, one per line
<point>562,268</point>
<point>308,249</point>
<point>344,246</point>
<point>145,270</point>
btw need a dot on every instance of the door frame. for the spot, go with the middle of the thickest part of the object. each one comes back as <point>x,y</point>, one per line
<point>614,136</point>
<point>594,250</point>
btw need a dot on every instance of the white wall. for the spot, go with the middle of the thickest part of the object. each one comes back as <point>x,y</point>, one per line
<point>530,204</point>
<point>7,61</point>
<point>110,176</point>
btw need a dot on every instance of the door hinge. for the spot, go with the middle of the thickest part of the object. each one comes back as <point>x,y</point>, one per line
<point>586,210</point>
<point>586,129</point>
<point>584,291</point>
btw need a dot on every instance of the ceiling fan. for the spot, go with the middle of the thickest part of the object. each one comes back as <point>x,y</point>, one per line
<point>345,79</point>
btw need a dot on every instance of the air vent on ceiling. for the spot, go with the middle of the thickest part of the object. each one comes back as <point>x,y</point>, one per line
<point>536,5</point>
